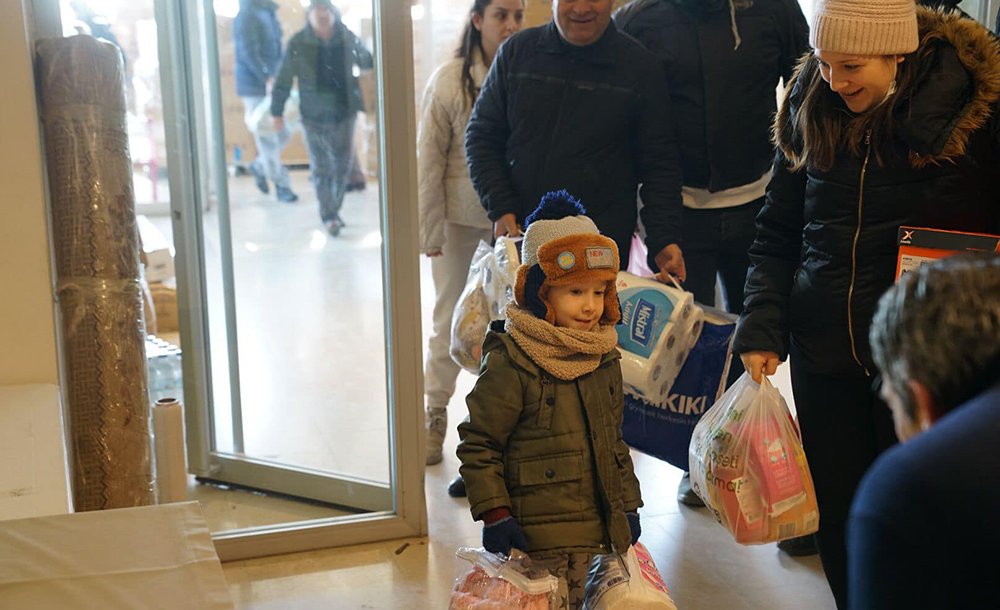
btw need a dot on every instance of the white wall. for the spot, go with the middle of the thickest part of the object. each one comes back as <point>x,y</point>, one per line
<point>27,327</point>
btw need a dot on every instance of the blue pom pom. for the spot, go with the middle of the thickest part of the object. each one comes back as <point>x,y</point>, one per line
<point>555,205</point>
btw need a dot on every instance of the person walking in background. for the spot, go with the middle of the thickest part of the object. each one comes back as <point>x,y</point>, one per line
<point>722,67</point>
<point>322,56</point>
<point>452,221</point>
<point>578,105</point>
<point>936,340</point>
<point>891,121</point>
<point>257,36</point>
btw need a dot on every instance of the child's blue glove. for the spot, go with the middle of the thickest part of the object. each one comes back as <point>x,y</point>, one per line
<point>633,526</point>
<point>502,532</point>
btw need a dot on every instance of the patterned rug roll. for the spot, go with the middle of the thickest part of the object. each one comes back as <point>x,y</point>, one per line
<point>97,268</point>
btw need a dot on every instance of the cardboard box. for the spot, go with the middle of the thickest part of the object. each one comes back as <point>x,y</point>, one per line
<point>165,306</point>
<point>157,254</point>
<point>919,245</point>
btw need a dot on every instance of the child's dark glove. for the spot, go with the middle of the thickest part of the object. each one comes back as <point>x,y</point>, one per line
<point>633,526</point>
<point>501,532</point>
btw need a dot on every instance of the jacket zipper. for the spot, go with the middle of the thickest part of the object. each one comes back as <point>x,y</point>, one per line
<point>854,253</point>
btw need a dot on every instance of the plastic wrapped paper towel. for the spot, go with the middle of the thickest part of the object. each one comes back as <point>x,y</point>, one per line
<point>660,325</point>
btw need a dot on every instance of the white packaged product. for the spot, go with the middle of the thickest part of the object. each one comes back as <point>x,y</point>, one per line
<point>660,325</point>
<point>629,582</point>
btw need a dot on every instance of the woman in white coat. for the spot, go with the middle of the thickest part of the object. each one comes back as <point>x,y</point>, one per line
<point>452,221</point>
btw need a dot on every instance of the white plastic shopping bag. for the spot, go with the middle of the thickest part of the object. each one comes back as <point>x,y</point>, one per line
<point>629,582</point>
<point>495,582</point>
<point>259,121</point>
<point>747,464</point>
<point>472,313</point>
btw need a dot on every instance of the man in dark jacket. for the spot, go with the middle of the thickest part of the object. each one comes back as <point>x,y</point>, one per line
<point>577,105</point>
<point>322,56</point>
<point>722,67</point>
<point>257,36</point>
<point>936,340</point>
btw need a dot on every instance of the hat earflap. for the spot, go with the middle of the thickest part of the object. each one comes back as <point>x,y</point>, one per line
<point>530,281</point>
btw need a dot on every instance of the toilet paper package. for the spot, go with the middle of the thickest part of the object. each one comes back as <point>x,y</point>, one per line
<point>660,324</point>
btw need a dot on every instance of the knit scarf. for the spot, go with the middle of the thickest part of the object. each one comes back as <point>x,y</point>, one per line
<point>564,353</point>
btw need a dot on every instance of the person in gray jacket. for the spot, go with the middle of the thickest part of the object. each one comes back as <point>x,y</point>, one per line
<point>322,57</point>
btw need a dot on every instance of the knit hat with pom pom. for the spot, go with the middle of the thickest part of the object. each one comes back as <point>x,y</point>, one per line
<point>562,246</point>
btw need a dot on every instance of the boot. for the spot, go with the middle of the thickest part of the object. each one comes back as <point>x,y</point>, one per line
<point>436,423</point>
<point>686,495</point>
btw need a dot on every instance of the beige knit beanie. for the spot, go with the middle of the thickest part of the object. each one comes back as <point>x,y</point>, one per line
<point>865,27</point>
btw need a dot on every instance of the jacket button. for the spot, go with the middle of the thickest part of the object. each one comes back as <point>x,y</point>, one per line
<point>551,400</point>
<point>611,389</point>
<point>550,473</point>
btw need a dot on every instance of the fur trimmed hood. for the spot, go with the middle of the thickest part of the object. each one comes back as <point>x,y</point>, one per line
<point>938,115</point>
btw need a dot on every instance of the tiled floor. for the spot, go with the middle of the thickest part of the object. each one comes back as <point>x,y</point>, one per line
<point>703,567</point>
<point>701,564</point>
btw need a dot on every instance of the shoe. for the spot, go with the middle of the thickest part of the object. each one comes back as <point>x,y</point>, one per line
<point>285,194</point>
<point>456,489</point>
<point>686,495</point>
<point>803,546</point>
<point>436,424</point>
<point>259,179</point>
<point>333,227</point>
<point>356,186</point>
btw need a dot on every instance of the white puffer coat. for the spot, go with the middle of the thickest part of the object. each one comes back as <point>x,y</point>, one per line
<point>446,192</point>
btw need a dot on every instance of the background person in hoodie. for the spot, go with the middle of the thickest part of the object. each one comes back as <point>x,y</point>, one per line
<point>891,121</point>
<point>257,37</point>
<point>936,340</point>
<point>578,105</point>
<point>542,452</point>
<point>322,57</point>
<point>452,222</point>
<point>723,60</point>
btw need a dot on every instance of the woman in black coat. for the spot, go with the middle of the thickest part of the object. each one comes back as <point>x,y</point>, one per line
<point>890,122</point>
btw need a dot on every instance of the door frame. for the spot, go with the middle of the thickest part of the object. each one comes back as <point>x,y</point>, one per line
<point>396,121</point>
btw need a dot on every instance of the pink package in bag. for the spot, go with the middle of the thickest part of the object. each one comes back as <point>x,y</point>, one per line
<point>496,582</point>
<point>748,465</point>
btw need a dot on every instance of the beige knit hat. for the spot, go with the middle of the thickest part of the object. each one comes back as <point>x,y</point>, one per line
<point>865,27</point>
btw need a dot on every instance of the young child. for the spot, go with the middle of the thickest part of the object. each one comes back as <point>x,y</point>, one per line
<point>542,454</point>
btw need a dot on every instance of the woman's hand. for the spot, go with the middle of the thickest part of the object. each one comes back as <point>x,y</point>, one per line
<point>760,362</point>
<point>506,225</point>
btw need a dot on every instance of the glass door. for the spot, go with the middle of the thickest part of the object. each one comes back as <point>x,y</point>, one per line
<point>299,315</point>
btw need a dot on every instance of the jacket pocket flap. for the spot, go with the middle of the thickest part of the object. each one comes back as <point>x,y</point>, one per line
<point>551,469</point>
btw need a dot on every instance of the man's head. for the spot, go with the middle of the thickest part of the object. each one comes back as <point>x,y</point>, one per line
<point>566,264</point>
<point>322,15</point>
<point>582,22</point>
<point>936,338</point>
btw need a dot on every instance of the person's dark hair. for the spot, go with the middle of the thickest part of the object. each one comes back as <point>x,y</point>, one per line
<point>822,126</point>
<point>940,325</point>
<point>471,43</point>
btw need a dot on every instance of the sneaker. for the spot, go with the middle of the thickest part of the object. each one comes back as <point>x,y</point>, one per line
<point>285,194</point>
<point>686,495</point>
<point>456,489</point>
<point>333,227</point>
<point>356,186</point>
<point>259,179</point>
<point>803,546</point>
<point>436,423</point>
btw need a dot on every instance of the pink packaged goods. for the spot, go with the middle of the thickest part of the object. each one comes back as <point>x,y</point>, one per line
<point>747,463</point>
<point>480,592</point>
